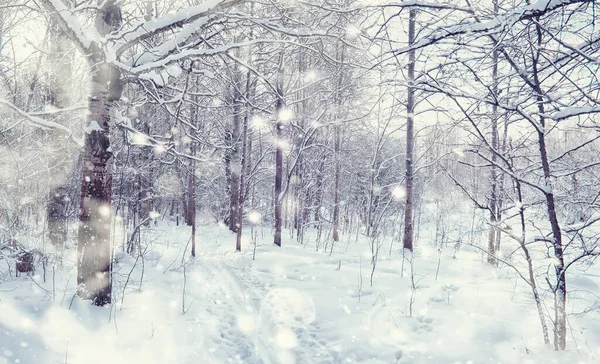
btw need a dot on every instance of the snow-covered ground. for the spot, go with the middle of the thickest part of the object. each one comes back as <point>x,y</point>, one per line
<point>289,305</point>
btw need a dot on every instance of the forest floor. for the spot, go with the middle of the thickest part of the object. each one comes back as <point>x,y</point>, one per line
<point>289,305</point>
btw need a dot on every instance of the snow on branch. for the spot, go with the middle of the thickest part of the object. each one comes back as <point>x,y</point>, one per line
<point>193,52</point>
<point>574,111</point>
<point>281,29</point>
<point>35,120</point>
<point>427,5</point>
<point>81,36</point>
<point>169,46</point>
<point>537,9</point>
<point>146,29</point>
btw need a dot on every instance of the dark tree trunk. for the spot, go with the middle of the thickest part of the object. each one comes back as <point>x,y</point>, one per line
<point>410,110</point>
<point>560,289</point>
<point>336,199</point>
<point>243,168</point>
<point>337,144</point>
<point>494,231</point>
<point>94,246</point>
<point>235,172</point>
<point>227,159</point>
<point>94,263</point>
<point>279,154</point>
<point>319,190</point>
<point>145,176</point>
<point>192,204</point>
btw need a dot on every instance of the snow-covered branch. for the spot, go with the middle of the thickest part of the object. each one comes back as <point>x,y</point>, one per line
<point>492,26</point>
<point>195,16</point>
<point>35,120</point>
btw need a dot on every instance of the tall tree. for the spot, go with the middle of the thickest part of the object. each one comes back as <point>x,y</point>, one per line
<point>407,240</point>
<point>94,263</point>
<point>494,205</point>
<point>94,245</point>
<point>279,114</point>
<point>337,108</point>
<point>59,76</point>
<point>234,153</point>
<point>244,162</point>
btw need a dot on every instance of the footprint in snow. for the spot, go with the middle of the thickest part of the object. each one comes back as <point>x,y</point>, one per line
<point>445,295</point>
<point>423,324</point>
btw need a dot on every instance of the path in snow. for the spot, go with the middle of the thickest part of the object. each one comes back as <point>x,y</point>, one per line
<point>258,321</point>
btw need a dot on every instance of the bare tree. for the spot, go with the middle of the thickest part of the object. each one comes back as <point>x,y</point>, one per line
<point>407,240</point>
<point>279,113</point>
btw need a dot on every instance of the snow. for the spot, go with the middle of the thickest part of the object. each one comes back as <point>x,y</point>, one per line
<point>290,305</point>
<point>146,28</point>
<point>399,193</point>
<point>82,36</point>
<point>171,45</point>
<point>575,111</point>
<point>92,126</point>
<point>254,217</point>
<point>34,120</point>
<point>160,78</point>
<point>285,114</point>
<point>544,5</point>
<point>490,26</point>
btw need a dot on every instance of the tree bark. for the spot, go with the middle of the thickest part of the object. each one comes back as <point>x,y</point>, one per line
<point>337,145</point>
<point>191,203</point>
<point>319,190</point>
<point>337,183</point>
<point>234,180</point>
<point>243,168</point>
<point>560,289</point>
<point>280,105</point>
<point>94,263</point>
<point>493,235</point>
<point>532,281</point>
<point>407,240</point>
<point>60,74</point>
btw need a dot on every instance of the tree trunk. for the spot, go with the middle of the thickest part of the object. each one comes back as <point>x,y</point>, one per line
<point>227,159</point>
<point>94,263</point>
<point>60,74</point>
<point>319,190</point>
<point>337,144</point>
<point>145,176</point>
<point>337,183</point>
<point>235,153</point>
<point>243,168</point>
<point>191,203</point>
<point>94,246</point>
<point>532,281</point>
<point>407,240</point>
<point>194,112</point>
<point>560,289</point>
<point>491,253</point>
<point>280,104</point>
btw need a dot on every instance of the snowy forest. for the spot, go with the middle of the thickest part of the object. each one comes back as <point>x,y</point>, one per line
<point>299,181</point>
